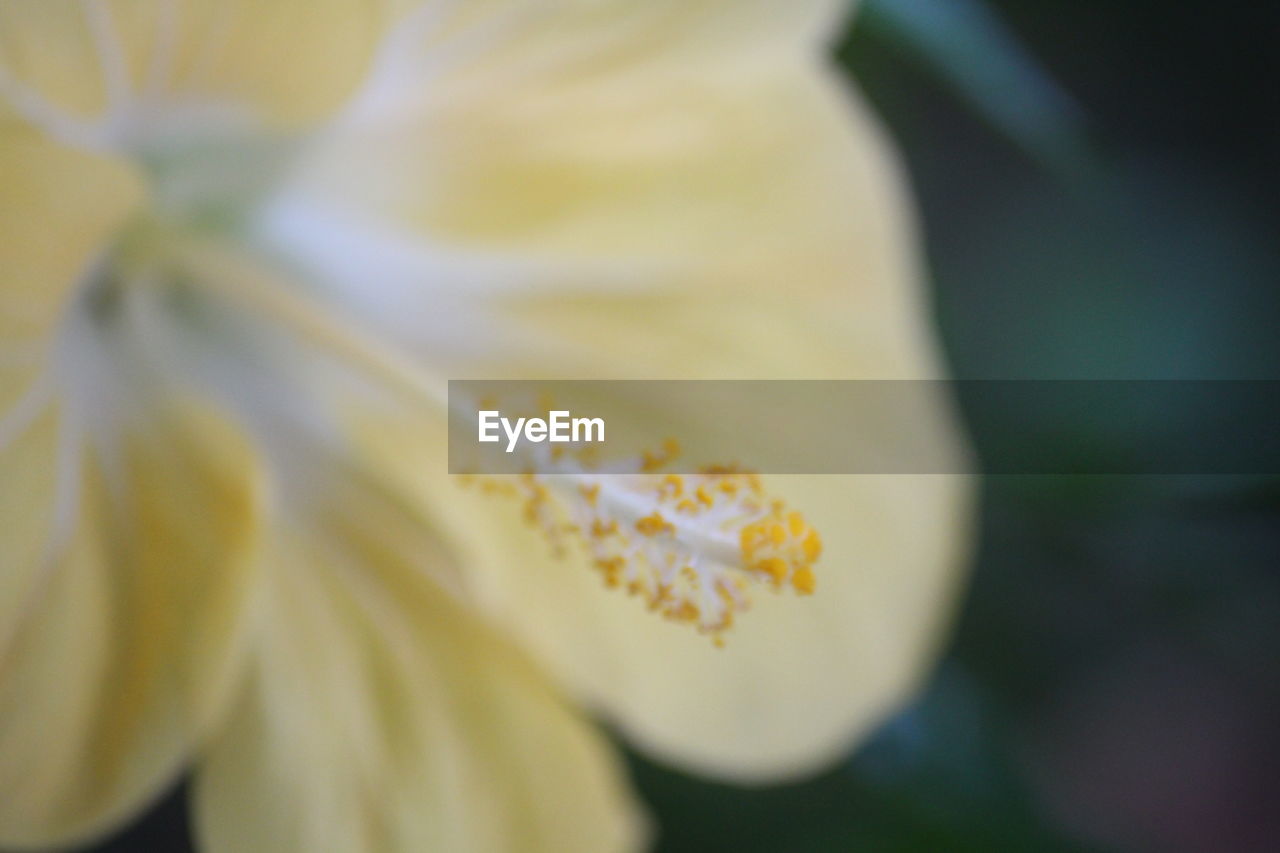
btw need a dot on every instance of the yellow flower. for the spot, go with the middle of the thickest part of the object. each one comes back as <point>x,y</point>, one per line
<point>241,240</point>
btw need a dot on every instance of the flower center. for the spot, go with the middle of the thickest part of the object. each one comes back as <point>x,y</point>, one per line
<point>214,182</point>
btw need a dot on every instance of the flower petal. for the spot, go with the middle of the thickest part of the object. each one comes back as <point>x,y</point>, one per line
<point>651,159</point>
<point>125,643</point>
<point>100,69</point>
<point>565,31</point>
<point>382,717</point>
<point>831,293</point>
<point>57,212</point>
<point>799,679</point>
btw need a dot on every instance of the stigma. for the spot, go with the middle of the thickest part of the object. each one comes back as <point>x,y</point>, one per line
<point>691,547</point>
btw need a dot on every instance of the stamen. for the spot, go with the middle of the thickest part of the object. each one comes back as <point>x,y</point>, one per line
<point>689,545</point>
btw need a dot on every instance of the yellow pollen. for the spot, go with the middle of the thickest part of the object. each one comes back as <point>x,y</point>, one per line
<point>812,546</point>
<point>804,581</point>
<point>653,525</point>
<point>795,522</point>
<point>651,462</point>
<point>588,456</point>
<point>775,568</point>
<point>690,547</point>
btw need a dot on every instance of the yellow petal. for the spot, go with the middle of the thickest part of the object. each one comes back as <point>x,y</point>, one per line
<point>834,295</point>
<point>283,61</point>
<point>642,156</point>
<point>58,210</point>
<point>381,717</point>
<point>126,640</point>
<point>564,32</point>
<point>27,489</point>
<point>799,679</point>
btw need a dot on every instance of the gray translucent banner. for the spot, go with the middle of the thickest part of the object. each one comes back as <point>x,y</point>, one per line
<point>1014,427</point>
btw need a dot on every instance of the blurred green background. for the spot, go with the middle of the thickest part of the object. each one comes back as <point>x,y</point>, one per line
<point>1100,184</point>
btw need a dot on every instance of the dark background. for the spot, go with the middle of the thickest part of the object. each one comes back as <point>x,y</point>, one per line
<point>1112,684</point>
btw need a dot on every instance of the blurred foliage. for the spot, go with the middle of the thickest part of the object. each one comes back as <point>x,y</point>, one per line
<point>974,53</point>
